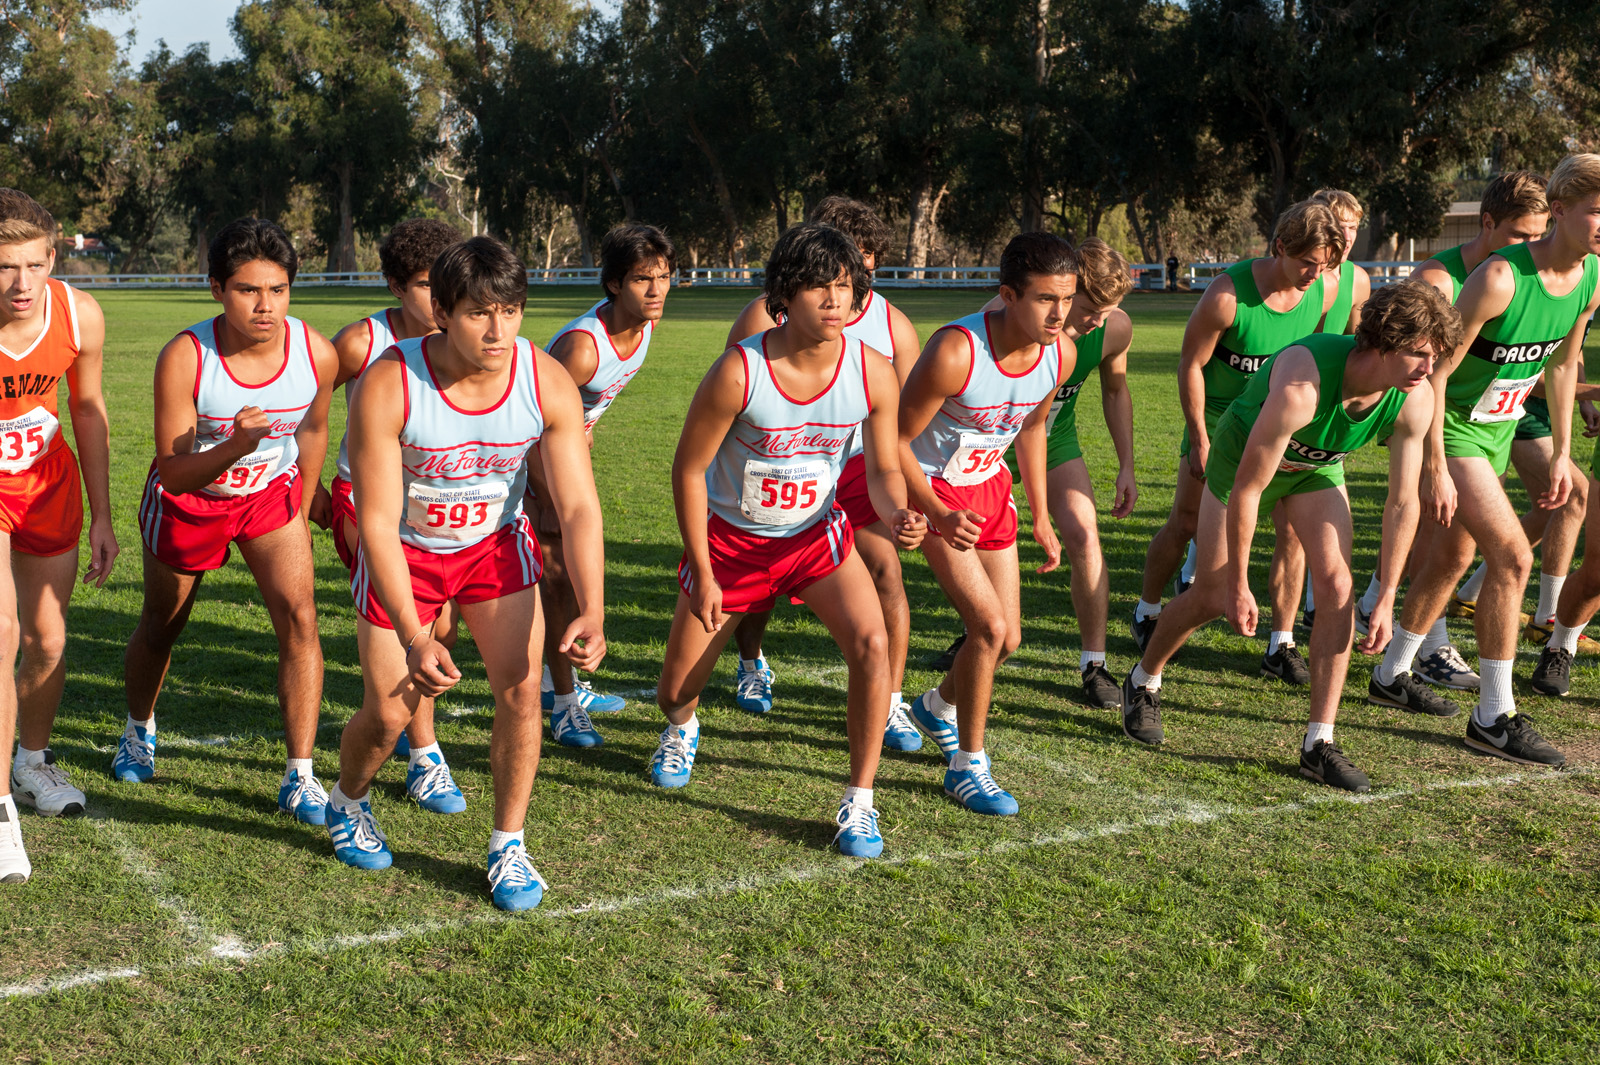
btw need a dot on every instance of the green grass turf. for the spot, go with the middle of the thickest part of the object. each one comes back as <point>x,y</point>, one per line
<point>1192,903</point>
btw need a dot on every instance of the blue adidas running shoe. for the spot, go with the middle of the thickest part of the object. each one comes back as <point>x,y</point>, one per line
<point>357,840</point>
<point>674,758</point>
<point>858,835</point>
<point>975,789</point>
<point>513,881</point>
<point>937,729</point>
<point>592,701</point>
<point>571,727</point>
<point>899,734</point>
<point>752,688</point>
<point>429,783</point>
<point>135,761</point>
<point>402,746</point>
<point>303,797</point>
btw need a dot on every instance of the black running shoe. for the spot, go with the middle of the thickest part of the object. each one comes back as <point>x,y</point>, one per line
<point>1310,620</point>
<point>1179,585</point>
<point>1513,738</point>
<point>947,657</point>
<point>1409,694</point>
<point>1141,714</point>
<point>1100,687</point>
<point>1553,674</point>
<point>1143,629</point>
<point>1287,664</point>
<point>1327,764</point>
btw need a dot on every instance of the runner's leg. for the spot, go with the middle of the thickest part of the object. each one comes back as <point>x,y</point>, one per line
<point>283,567</point>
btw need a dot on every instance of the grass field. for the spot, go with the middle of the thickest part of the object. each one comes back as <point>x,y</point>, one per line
<point>1197,902</point>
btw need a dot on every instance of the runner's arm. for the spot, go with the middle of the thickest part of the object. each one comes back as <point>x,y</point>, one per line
<point>1210,319</point>
<point>906,345</point>
<point>86,403</point>
<point>1401,510</point>
<point>940,373</point>
<point>886,484</point>
<point>752,320</point>
<point>1032,448</point>
<point>353,344</point>
<point>563,451</point>
<point>1117,404</point>
<point>311,438</point>
<point>1360,292</point>
<point>180,467</point>
<point>577,354</point>
<point>1434,273</point>
<point>716,403</point>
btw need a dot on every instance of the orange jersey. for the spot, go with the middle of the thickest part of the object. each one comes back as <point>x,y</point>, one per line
<point>30,425</point>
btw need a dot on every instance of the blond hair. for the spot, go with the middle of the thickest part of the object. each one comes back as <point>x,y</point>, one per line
<point>1344,204</point>
<point>22,219</point>
<point>1514,194</point>
<point>1574,177</point>
<point>1103,273</point>
<point>1307,226</point>
<point>1404,315</point>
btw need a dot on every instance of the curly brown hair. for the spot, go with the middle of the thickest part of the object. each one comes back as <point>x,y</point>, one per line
<point>1406,314</point>
<point>412,246</point>
<point>858,221</point>
<point>809,255</point>
<point>1306,226</point>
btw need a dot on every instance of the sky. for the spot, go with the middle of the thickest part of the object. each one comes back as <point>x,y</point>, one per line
<point>180,22</point>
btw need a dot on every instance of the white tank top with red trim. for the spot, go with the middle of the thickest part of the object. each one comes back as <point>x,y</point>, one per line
<point>871,326</point>
<point>777,468</point>
<point>971,430</point>
<point>464,471</point>
<point>614,370</point>
<point>380,337</point>
<point>285,398</point>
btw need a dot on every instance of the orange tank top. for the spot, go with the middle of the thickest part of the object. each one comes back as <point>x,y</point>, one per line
<point>30,426</point>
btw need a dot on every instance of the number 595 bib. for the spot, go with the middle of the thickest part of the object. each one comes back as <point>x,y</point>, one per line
<point>785,493</point>
<point>977,459</point>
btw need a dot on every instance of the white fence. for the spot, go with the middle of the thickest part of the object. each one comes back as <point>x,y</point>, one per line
<point>1150,277</point>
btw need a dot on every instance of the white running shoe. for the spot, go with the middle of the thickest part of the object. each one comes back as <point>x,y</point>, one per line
<point>46,787</point>
<point>14,865</point>
<point>1446,668</point>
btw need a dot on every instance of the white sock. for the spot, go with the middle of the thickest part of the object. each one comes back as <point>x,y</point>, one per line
<point>1565,638</point>
<point>1146,610</point>
<point>967,760</point>
<point>1369,598</point>
<point>894,701</point>
<point>1401,653</point>
<point>545,683</point>
<point>1435,639</point>
<point>1468,592</point>
<point>1316,732</point>
<point>338,798</point>
<point>149,726</point>
<point>565,700</point>
<point>1088,658</point>
<point>1141,679</point>
<point>9,805</point>
<point>1494,691</point>
<point>690,728</point>
<point>1311,600</point>
<point>499,840</point>
<point>1190,564</point>
<point>858,796</point>
<point>934,703</point>
<point>750,665</point>
<point>301,766</point>
<point>1279,639</point>
<point>419,753</point>
<point>27,757</point>
<point>1549,594</point>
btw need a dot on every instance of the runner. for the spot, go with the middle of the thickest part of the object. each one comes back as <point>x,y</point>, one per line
<point>1247,314</point>
<point>442,430</point>
<point>982,382</point>
<point>1284,440</point>
<point>406,255</point>
<point>241,428</point>
<point>754,484</point>
<point>883,328</point>
<point>636,267</point>
<point>47,331</point>
<point>1523,312</point>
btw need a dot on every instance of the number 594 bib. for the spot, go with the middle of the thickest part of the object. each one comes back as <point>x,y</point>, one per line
<point>784,493</point>
<point>1502,400</point>
<point>468,513</point>
<point>977,459</point>
<point>23,439</point>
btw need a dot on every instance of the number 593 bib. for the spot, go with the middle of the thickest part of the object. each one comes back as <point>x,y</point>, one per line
<point>1502,400</point>
<point>784,493</point>
<point>977,459</point>
<point>468,513</point>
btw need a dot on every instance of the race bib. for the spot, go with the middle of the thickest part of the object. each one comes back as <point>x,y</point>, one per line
<point>785,493</point>
<point>25,438</point>
<point>467,514</point>
<point>977,459</point>
<point>1502,400</point>
<point>248,475</point>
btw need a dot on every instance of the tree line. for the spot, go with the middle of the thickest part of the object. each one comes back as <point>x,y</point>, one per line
<point>1168,128</point>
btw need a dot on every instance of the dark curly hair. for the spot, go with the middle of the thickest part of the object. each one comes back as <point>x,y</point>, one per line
<point>412,246</point>
<point>1401,316</point>
<point>810,255</point>
<point>483,270</point>
<point>626,246</point>
<point>1035,254</point>
<point>858,221</point>
<point>244,240</point>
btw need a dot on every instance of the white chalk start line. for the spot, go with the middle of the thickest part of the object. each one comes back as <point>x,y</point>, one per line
<point>1175,812</point>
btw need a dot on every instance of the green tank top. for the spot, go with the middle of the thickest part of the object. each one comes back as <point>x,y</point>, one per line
<point>1258,332</point>
<point>1456,267</point>
<point>1331,434</point>
<point>1505,360</point>
<point>1091,349</point>
<point>1337,320</point>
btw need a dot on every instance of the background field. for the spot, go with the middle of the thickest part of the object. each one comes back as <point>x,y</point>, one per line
<point>1192,903</point>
